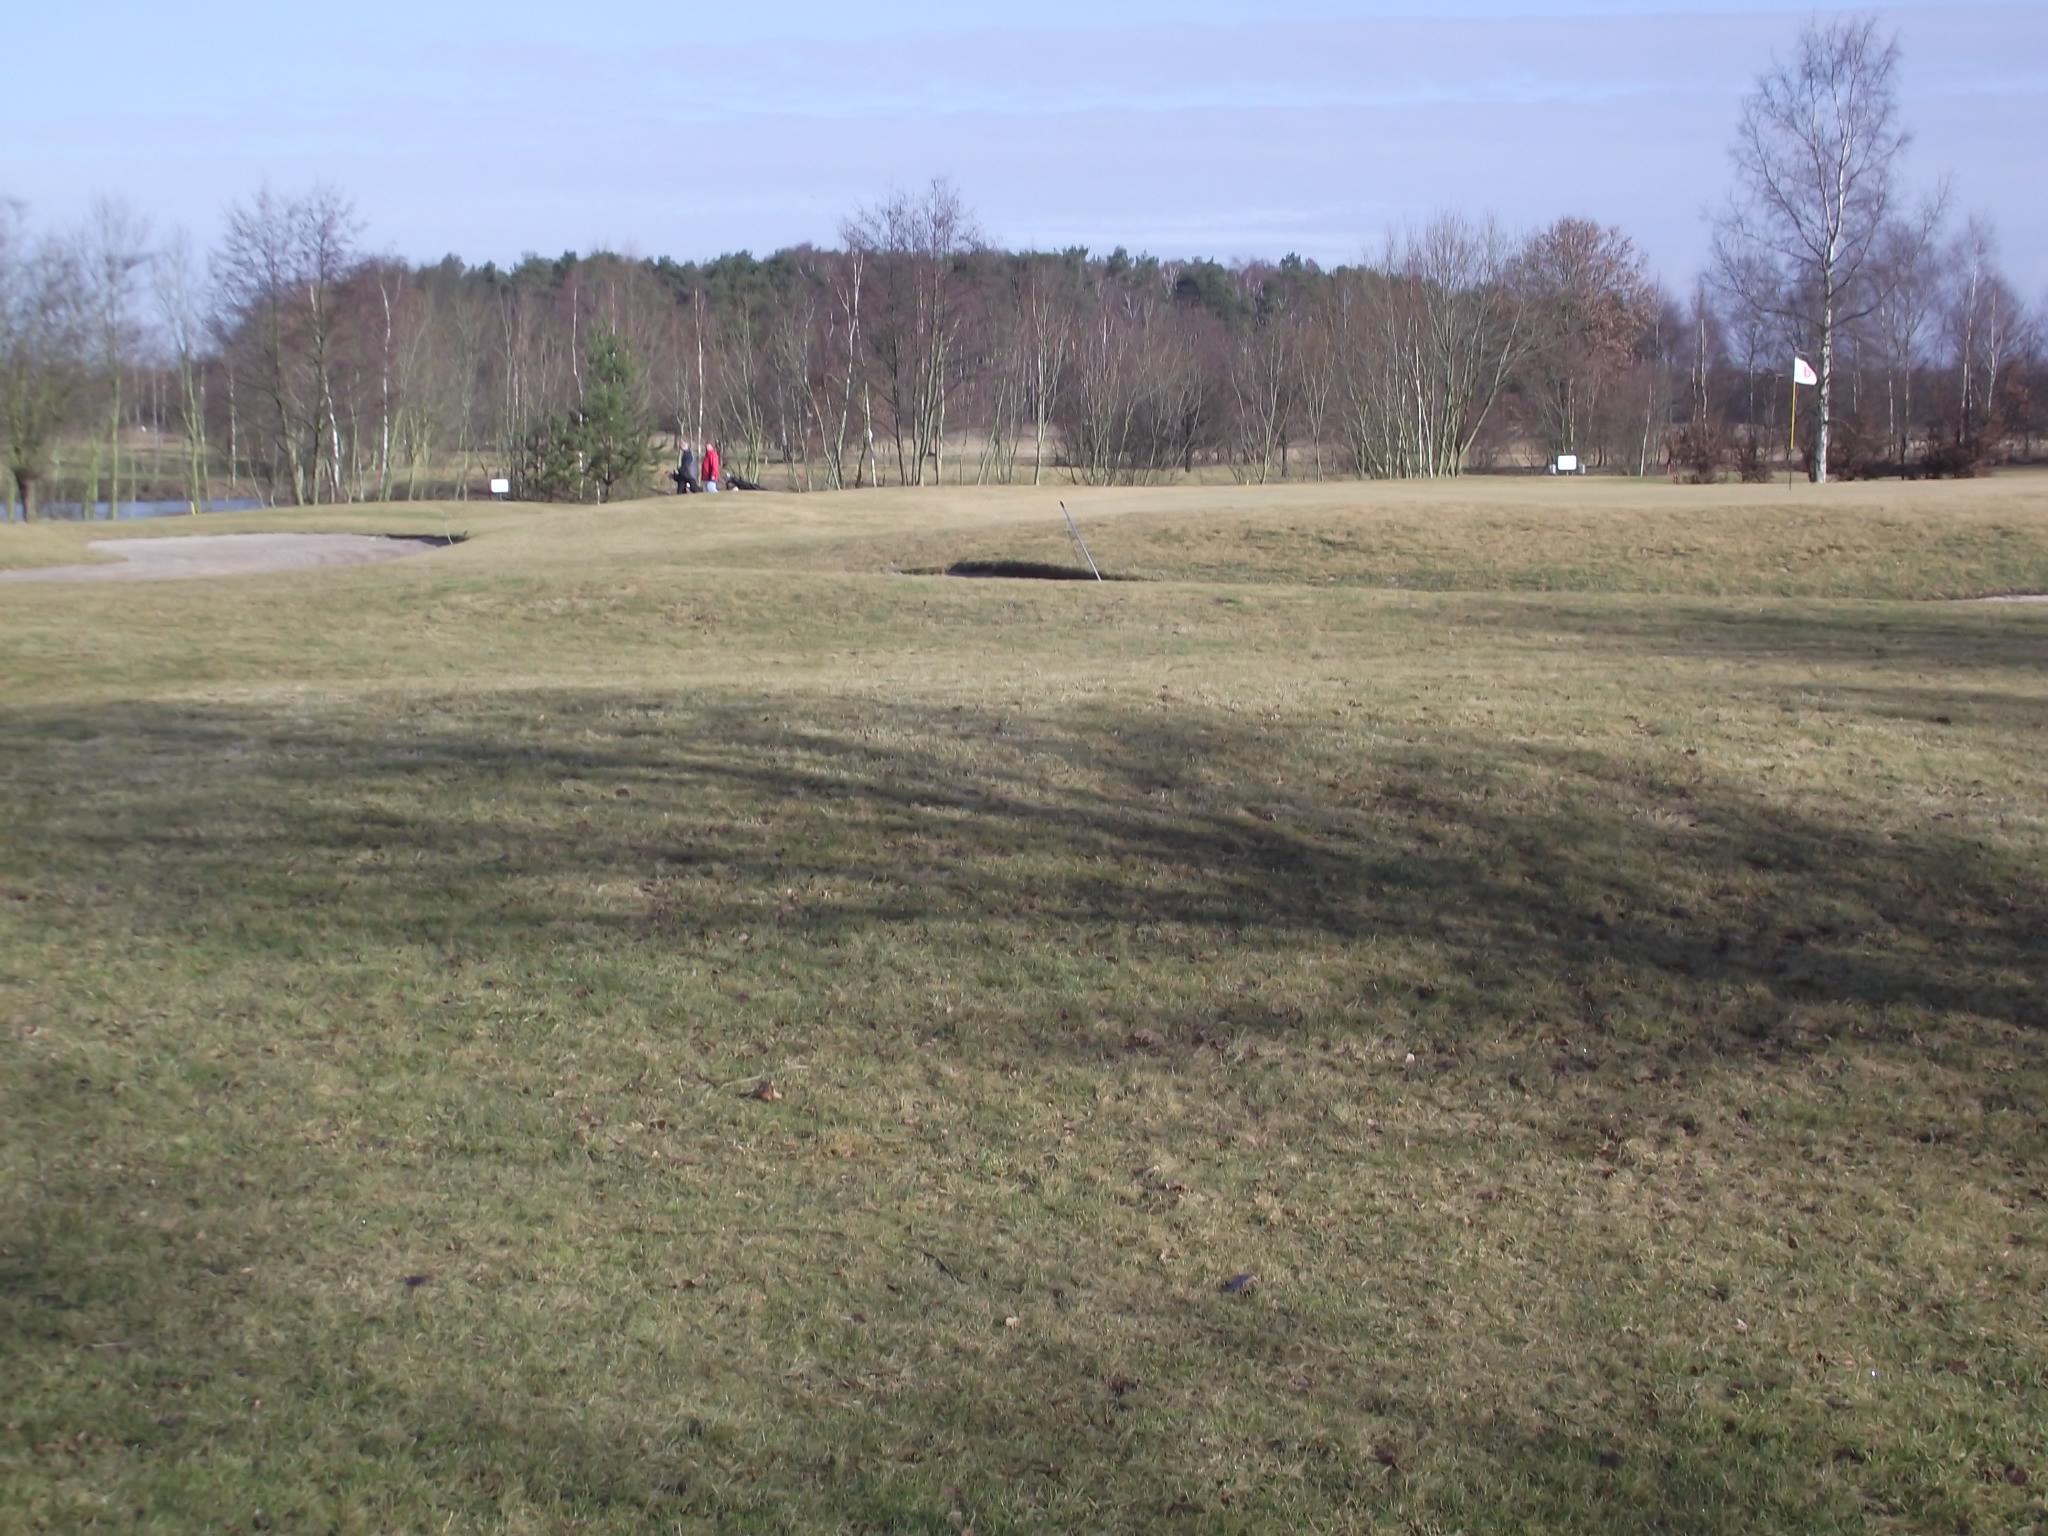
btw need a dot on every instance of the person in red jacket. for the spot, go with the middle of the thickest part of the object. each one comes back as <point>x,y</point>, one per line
<point>711,466</point>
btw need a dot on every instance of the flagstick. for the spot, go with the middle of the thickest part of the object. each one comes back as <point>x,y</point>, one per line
<point>1792,437</point>
<point>1076,532</point>
<point>1802,373</point>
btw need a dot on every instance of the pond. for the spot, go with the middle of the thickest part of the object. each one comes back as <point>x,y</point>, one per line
<point>128,511</point>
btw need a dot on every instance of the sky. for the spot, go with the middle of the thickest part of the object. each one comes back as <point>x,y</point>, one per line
<point>1220,128</point>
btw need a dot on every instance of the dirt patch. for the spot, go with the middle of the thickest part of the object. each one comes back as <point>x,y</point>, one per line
<point>233,554</point>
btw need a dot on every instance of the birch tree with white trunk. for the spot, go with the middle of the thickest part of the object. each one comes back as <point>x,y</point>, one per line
<point>912,246</point>
<point>181,326</point>
<point>116,250</point>
<point>1816,159</point>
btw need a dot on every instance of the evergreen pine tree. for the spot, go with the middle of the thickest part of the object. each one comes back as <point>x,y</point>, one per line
<point>614,426</point>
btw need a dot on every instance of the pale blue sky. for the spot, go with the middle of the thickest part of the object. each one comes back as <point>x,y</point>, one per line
<point>1183,127</point>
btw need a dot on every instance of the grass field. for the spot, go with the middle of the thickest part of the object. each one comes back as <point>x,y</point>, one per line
<point>650,1020</point>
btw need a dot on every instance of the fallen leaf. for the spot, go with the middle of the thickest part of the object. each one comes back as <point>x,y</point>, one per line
<point>414,1282</point>
<point>1141,1040</point>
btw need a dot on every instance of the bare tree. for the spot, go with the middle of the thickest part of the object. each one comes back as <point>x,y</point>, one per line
<point>1816,157</point>
<point>1705,350</point>
<point>1316,356</point>
<point>115,250</point>
<point>1049,300</point>
<point>994,358</point>
<point>464,317</point>
<point>45,327</point>
<point>1097,410</point>
<point>795,378</point>
<point>1590,298</point>
<point>1263,371</point>
<point>742,411</point>
<point>1899,323</point>
<point>913,245</point>
<point>1137,400</point>
<point>846,295</point>
<point>1429,337</point>
<point>1121,413</point>
<point>279,274</point>
<point>392,347</point>
<point>181,325</point>
<point>1985,326</point>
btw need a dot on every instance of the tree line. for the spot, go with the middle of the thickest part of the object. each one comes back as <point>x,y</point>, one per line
<point>292,364</point>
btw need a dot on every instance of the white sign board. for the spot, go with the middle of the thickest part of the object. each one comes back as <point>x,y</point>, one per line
<point>501,487</point>
<point>1567,464</point>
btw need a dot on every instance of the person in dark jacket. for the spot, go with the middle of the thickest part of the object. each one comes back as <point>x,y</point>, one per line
<point>685,472</point>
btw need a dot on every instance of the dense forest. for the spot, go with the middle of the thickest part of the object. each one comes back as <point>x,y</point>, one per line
<point>292,366</point>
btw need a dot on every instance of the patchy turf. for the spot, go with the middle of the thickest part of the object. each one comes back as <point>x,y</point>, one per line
<point>1596,1034</point>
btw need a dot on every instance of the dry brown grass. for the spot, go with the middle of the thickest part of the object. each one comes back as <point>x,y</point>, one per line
<point>1607,1023</point>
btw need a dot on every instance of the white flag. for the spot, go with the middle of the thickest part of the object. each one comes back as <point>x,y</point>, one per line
<point>1802,372</point>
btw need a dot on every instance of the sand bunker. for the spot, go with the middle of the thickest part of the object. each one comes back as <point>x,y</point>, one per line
<point>229,554</point>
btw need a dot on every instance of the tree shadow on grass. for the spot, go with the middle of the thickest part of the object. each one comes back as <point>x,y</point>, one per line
<point>1962,640</point>
<point>635,825</point>
<point>1155,831</point>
